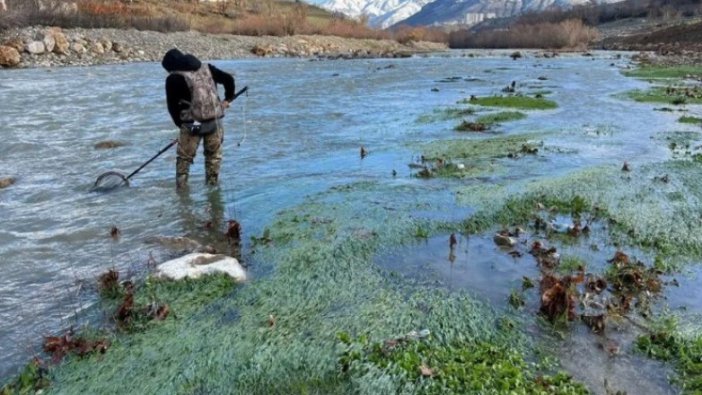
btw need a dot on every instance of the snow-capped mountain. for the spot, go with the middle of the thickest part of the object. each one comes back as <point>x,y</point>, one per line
<point>381,13</point>
<point>470,12</point>
<point>384,13</point>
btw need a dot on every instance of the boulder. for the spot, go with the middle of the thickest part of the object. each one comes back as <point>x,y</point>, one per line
<point>109,144</point>
<point>262,50</point>
<point>196,265</point>
<point>36,48</point>
<point>78,48</point>
<point>106,44</point>
<point>47,37</point>
<point>62,45</point>
<point>6,181</point>
<point>117,47</point>
<point>504,240</point>
<point>9,57</point>
<point>16,43</point>
<point>97,48</point>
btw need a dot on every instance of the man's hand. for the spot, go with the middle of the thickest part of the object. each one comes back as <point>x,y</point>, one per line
<point>225,104</point>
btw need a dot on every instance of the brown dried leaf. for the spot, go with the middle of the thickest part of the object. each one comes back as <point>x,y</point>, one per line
<point>124,312</point>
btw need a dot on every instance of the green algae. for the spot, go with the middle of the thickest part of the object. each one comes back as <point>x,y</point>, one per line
<point>665,72</point>
<point>462,367</point>
<point>446,114</point>
<point>637,204</point>
<point>518,102</point>
<point>472,158</point>
<point>33,379</point>
<point>500,117</point>
<point>571,264</point>
<point>690,120</point>
<point>662,95</point>
<point>278,334</point>
<point>666,342</point>
<point>478,149</point>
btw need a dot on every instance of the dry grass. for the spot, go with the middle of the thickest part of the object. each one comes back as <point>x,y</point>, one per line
<point>242,17</point>
<point>406,34</point>
<point>91,14</point>
<point>571,34</point>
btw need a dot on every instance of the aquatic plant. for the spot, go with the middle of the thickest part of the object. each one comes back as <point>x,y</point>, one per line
<point>458,367</point>
<point>322,282</point>
<point>516,299</point>
<point>665,72</point>
<point>500,117</point>
<point>467,126</point>
<point>689,119</point>
<point>478,151</point>
<point>513,101</point>
<point>640,212</point>
<point>670,95</point>
<point>34,378</point>
<point>666,342</point>
<point>446,114</point>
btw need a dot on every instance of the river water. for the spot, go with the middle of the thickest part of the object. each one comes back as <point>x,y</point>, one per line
<point>298,132</point>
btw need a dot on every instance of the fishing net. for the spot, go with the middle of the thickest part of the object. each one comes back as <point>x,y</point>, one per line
<point>113,180</point>
<point>109,181</point>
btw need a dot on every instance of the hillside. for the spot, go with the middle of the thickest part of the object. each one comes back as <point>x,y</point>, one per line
<point>249,17</point>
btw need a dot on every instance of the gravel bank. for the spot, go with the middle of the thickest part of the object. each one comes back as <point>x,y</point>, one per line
<point>50,47</point>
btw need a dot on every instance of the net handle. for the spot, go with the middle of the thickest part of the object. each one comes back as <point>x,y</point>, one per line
<point>172,143</point>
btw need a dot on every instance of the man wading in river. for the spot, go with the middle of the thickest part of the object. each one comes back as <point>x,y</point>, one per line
<point>194,105</point>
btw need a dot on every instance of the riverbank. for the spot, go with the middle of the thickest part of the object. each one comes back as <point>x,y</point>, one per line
<point>50,47</point>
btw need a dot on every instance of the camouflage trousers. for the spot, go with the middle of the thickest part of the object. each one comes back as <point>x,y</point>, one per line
<point>187,148</point>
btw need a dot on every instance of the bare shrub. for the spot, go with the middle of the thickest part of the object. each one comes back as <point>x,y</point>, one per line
<point>405,34</point>
<point>352,29</point>
<point>88,14</point>
<point>257,25</point>
<point>571,33</point>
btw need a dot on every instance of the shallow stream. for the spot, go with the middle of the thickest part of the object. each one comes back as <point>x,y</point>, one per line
<point>299,131</point>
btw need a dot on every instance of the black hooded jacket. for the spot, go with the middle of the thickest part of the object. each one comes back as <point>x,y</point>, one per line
<point>176,87</point>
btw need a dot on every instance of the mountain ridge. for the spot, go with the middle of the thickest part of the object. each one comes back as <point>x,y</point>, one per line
<point>385,13</point>
<point>471,12</point>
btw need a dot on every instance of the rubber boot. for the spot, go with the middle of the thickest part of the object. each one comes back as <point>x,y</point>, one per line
<point>212,177</point>
<point>182,171</point>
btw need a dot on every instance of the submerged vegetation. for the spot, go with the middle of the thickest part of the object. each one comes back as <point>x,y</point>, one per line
<point>666,343</point>
<point>464,367</point>
<point>691,120</point>
<point>514,101</point>
<point>473,158</point>
<point>500,117</point>
<point>669,95</point>
<point>665,72</point>
<point>446,114</point>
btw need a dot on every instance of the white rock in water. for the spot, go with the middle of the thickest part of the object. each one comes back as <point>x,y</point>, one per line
<point>503,240</point>
<point>197,264</point>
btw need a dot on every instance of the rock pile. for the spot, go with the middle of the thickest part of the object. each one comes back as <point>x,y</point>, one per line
<point>50,46</point>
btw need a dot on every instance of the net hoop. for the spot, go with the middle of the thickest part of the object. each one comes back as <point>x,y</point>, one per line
<point>98,182</point>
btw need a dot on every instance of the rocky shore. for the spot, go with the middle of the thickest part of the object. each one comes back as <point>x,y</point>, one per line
<point>51,46</point>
